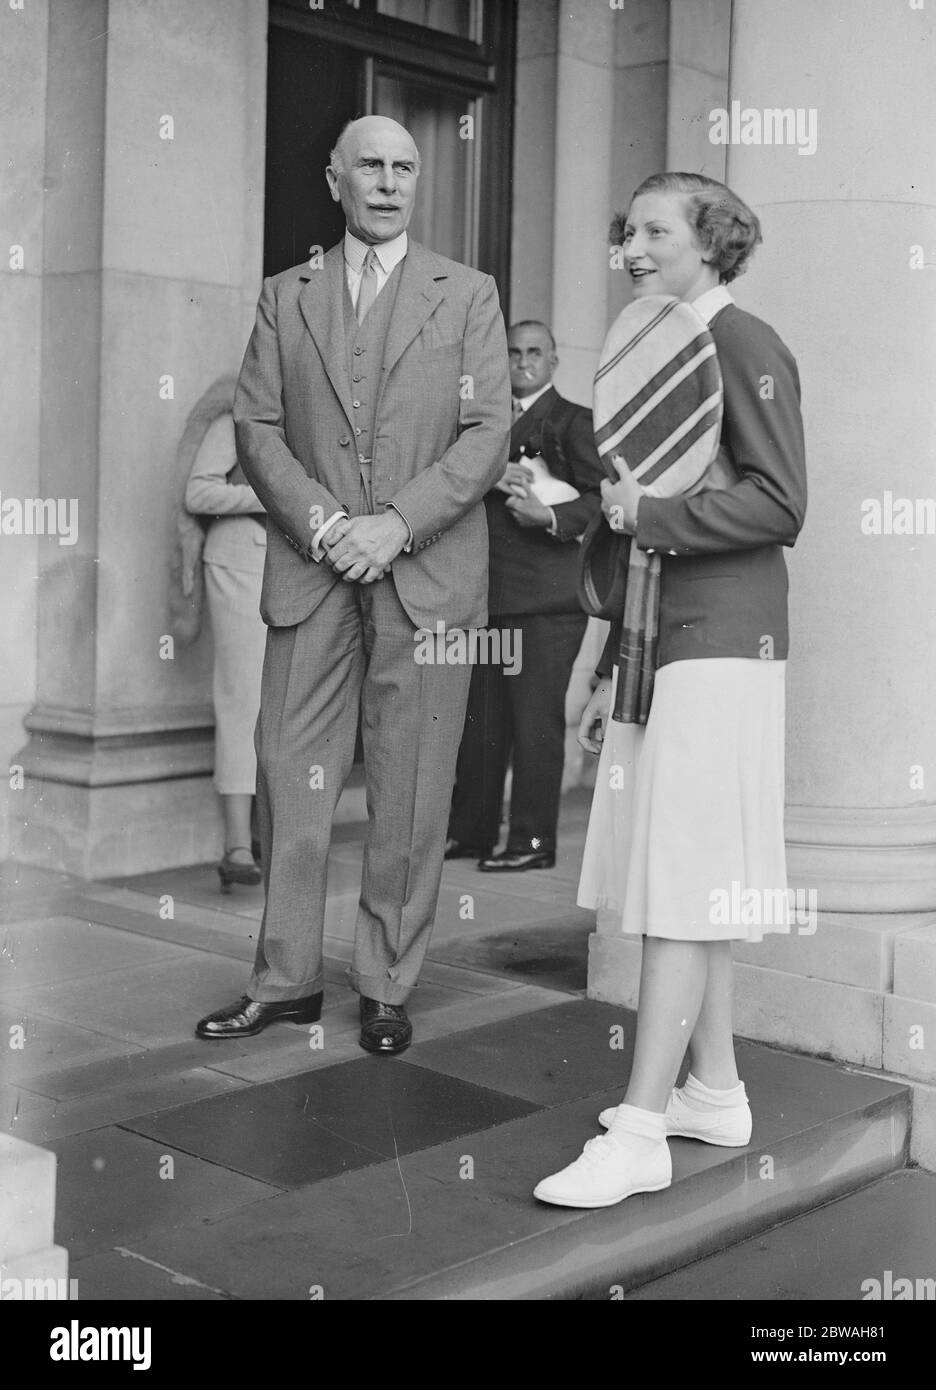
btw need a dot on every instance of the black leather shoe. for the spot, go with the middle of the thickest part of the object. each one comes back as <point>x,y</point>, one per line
<point>384,1027</point>
<point>514,861</point>
<point>457,849</point>
<point>247,1016</point>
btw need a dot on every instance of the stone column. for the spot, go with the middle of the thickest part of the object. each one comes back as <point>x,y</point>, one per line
<point>847,277</point>
<point>151,265</point>
<point>862,324</point>
<point>23,57</point>
<point>534,161</point>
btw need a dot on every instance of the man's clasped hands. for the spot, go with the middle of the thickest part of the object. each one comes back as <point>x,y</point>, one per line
<point>361,548</point>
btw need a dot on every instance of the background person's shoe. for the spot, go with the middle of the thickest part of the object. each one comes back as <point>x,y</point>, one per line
<point>247,1016</point>
<point>385,1028</point>
<point>238,870</point>
<point>457,849</point>
<point>514,861</point>
<point>729,1128</point>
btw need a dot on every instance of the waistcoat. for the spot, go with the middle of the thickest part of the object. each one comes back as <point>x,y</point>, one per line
<point>365,354</point>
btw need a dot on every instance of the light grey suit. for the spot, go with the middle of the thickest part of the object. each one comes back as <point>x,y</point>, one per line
<point>441,429</point>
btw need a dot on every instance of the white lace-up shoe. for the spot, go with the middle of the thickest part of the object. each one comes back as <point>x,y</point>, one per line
<point>606,1173</point>
<point>729,1128</point>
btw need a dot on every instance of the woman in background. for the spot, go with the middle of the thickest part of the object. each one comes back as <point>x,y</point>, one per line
<point>235,549</point>
<point>697,801</point>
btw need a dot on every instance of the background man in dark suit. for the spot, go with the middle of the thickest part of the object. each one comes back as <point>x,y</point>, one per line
<point>372,416</point>
<point>534,565</point>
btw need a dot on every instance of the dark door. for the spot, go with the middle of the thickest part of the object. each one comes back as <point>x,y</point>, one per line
<point>313,88</point>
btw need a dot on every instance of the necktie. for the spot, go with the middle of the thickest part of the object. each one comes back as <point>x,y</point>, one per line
<point>517,410</point>
<point>368,291</point>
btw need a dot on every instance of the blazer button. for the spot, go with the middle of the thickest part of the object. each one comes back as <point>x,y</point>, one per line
<point>344,441</point>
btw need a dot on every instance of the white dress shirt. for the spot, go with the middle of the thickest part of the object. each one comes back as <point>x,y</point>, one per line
<point>387,256</point>
<point>708,304</point>
<point>524,402</point>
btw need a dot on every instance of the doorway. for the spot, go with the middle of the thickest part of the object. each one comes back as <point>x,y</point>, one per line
<point>443,68</point>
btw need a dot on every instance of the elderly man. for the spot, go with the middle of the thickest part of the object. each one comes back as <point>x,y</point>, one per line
<point>372,416</point>
<point>545,500</point>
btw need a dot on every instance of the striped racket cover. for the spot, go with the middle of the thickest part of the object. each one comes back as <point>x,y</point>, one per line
<point>658,395</point>
<point>658,409</point>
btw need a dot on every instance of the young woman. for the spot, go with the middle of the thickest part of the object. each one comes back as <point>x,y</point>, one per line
<point>691,804</point>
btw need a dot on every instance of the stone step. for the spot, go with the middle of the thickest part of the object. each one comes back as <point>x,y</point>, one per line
<point>27,1197</point>
<point>454,1218</point>
<point>874,1245</point>
<point>31,1266</point>
<point>718,1197</point>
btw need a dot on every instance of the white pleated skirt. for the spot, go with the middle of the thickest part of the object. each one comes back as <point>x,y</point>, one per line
<point>685,838</point>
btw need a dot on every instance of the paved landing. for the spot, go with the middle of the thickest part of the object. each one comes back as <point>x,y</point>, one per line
<point>292,1161</point>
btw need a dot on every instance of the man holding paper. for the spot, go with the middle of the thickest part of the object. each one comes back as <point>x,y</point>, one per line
<point>546,498</point>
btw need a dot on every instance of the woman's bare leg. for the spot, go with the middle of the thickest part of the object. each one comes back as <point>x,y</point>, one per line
<point>711,1047</point>
<point>672,987</point>
<point>236,810</point>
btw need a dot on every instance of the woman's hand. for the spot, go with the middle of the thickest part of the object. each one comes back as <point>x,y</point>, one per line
<point>595,717</point>
<point>620,500</point>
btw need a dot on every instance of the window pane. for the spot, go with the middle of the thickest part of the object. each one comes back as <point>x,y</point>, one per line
<point>443,218</point>
<point>451,16</point>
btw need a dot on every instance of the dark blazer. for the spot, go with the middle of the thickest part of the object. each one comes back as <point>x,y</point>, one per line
<point>440,431</point>
<point>532,571</point>
<point>723,583</point>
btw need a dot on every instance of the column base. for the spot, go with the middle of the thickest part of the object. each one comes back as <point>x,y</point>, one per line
<point>102,806</point>
<point>867,860</point>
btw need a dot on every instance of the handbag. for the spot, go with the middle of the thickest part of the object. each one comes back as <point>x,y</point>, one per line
<point>603,571</point>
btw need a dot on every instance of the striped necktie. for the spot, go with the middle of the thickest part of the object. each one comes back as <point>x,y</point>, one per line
<point>368,291</point>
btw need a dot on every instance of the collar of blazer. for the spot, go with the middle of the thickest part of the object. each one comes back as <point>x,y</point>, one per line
<point>321,301</point>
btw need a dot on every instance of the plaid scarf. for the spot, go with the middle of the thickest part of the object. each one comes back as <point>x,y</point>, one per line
<point>657,408</point>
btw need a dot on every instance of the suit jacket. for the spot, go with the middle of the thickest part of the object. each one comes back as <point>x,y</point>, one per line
<point>236,536</point>
<point>723,582</point>
<point>532,571</point>
<point>440,434</point>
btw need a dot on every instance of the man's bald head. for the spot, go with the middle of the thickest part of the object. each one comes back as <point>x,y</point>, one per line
<point>360,129</point>
<point>373,172</point>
